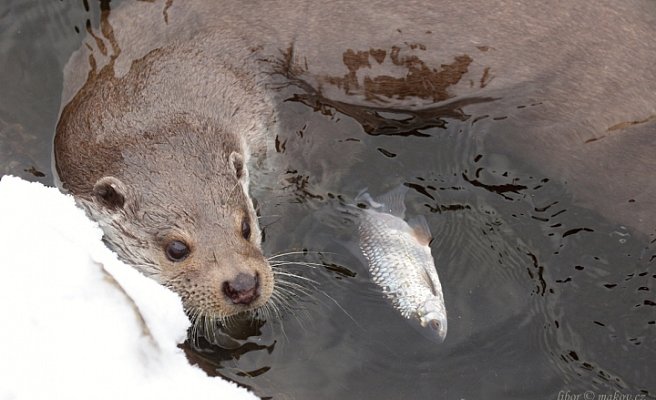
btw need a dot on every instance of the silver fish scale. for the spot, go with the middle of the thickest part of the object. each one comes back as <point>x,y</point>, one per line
<point>396,260</point>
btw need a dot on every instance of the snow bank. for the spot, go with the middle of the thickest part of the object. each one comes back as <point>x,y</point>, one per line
<point>76,323</point>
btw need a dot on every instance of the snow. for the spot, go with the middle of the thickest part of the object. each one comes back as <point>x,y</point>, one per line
<point>76,323</point>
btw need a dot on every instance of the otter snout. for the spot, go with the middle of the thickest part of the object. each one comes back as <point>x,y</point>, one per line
<point>244,289</point>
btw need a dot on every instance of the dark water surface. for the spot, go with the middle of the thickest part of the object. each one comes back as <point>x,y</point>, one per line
<point>544,296</point>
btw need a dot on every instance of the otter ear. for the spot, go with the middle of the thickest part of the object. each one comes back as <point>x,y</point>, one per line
<point>109,192</point>
<point>238,166</point>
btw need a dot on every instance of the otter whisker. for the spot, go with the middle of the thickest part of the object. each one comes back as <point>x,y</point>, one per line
<point>303,313</point>
<point>208,329</point>
<point>304,252</point>
<point>273,308</point>
<point>342,308</point>
<point>305,264</point>
<point>284,299</point>
<point>285,254</point>
<point>282,281</point>
<point>294,294</point>
<point>196,320</point>
<point>293,288</point>
<point>299,288</point>
<point>282,330</point>
<point>278,300</point>
<point>282,288</point>
<point>275,272</point>
<point>284,295</point>
<point>291,294</point>
<point>263,312</point>
<point>289,297</point>
<point>202,324</point>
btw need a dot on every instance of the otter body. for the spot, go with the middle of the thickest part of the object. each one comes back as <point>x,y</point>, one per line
<point>169,104</point>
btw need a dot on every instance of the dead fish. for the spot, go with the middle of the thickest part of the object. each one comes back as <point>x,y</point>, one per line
<point>400,260</point>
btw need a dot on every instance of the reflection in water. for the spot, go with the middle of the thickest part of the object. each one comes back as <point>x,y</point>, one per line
<point>387,121</point>
<point>420,81</point>
<point>218,353</point>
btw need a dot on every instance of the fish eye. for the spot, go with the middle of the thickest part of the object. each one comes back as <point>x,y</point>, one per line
<point>245,229</point>
<point>434,325</point>
<point>176,250</point>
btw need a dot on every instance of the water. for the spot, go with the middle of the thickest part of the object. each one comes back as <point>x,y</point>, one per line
<point>544,296</point>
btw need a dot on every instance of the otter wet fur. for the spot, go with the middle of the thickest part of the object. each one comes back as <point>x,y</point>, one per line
<point>169,108</point>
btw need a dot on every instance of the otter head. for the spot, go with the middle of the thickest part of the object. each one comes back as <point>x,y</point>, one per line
<point>179,211</point>
<point>159,158</point>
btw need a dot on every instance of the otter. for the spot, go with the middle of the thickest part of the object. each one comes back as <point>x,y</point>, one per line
<point>169,108</point>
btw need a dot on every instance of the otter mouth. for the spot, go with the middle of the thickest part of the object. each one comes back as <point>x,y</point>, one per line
<point>244,289</point>
<point>216,298</point>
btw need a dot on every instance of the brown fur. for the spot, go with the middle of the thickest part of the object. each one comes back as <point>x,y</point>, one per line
<point>180,168</point>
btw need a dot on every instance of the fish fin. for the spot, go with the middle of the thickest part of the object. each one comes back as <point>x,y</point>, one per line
<point>393,202</point>
<point>427,278</point>
<point>421,232</point>
<point>365,197</point>
<point>361,194</point>
<point>420,229</point>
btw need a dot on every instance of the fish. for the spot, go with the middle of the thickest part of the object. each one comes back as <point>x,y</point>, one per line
<point>400,259</point>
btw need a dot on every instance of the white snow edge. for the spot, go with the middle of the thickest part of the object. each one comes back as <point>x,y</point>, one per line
<point>76,322</point>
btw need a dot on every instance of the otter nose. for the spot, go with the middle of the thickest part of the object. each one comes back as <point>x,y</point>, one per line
<point>243,289</point>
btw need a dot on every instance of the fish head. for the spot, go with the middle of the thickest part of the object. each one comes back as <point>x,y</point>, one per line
<point>432,315</point>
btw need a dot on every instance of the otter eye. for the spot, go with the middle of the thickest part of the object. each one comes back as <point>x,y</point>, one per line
<point>245,229</point>
<point>177,250</point>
